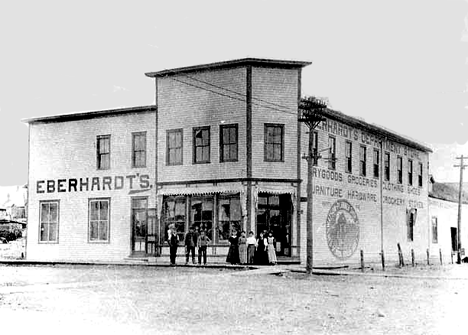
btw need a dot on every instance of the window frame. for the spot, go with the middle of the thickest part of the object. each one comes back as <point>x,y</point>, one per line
<point>97,241</point>
<point>99,154</point>
<point>420,175</point>
<point>315,148</point>
<point>195,146</point>
<point>411,222</point>
<point>42,202</point>
<point>387,166</point>
<point>217,223</point>
<point>435,224</point>
<point>332,152</point>
<point>410,172</point>
<point>399,170</point>
<point>181,148</point>
<point>184,199</point>
<point>266,144</point>
<point>134,151</point>
<point>363,160</point>
<point>349,157</point>
<point>222,127</point>
<point>376,163</point>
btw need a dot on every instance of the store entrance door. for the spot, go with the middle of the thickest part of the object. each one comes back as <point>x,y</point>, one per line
<point>274,214</point>
<point>139,225</point>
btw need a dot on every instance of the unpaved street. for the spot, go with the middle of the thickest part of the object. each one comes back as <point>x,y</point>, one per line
<point>153,300</point>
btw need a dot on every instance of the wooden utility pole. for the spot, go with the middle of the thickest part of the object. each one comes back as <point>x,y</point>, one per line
<point>308,113</point>
<point>460,188</point>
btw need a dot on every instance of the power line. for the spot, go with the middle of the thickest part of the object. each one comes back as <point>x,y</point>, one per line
<point>231,97</point>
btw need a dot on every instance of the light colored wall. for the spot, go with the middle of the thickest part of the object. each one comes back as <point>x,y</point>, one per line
<point>367,209</point>
<point>65,150</point>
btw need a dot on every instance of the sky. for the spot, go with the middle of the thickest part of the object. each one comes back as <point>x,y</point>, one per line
<point>399,64</point>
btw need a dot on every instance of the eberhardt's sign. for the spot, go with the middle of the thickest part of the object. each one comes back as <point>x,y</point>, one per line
<point>106,183</point>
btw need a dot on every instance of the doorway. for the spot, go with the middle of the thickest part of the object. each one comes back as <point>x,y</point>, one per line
<point>453,235</point>
<point>274,214</point>
<point>139,225</point>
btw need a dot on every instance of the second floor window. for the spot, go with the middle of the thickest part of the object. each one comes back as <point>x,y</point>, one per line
<point>103,152</point>
<point>410,172</point>
<point>349,155</point>
<point>139,149</point>
<point>228,143</point>
<point>420,175</point>
<point>201,145</point>
<point>362,160</point>
<point>387,166</point>
<point>174,147</point>
<point>376,163</point>
<point>332,153</point>
<point>315,147</point>
<point>399,170</point>
<point>274,134</point>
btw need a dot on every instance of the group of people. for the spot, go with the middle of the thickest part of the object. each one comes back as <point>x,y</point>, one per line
<point>251,250</point>
<point>193,239</point>
<point>242,249</point>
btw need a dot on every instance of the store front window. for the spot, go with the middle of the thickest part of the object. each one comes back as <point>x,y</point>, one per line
<point>229,216</point>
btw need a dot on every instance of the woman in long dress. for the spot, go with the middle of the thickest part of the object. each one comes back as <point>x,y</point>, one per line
<point>261,257</point>
<point>233,253</point>
<point>243,248</point>
<point>271,249</point>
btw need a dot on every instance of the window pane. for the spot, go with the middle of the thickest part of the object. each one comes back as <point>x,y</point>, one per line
<point>53,212</point>
<point>103,230</point>
<point>93,230</point>
<point>94,207</point>
<point>44,232</point>
<point>45,213</point>
<point>53,232</point>
<point>104,210</point>
<point>235,209</point>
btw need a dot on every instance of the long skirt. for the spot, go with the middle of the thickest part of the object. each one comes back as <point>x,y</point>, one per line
<point>243,253</point>
<point>271,253</point>
<point>233,255</point>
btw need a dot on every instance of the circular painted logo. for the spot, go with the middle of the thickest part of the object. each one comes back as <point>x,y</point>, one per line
<point>342,229</point>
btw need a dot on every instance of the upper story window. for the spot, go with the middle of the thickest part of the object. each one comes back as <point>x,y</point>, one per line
<point>376,163</point>
<point>174,148</point>
<point>228,140</point>
<point>139,149</point>
<point>315,147</point>
<point>49,221</point>
<point>349,156</point>
<point>420,175</point>
<point>201,145</point>
<point>274,142</point>
<point>387,166</point>
<point>362,160</point>
<point>410,172</point>
<point>103,152</point>
<point>399,170</point>
<point>99,218</point>
<point>332,152</point>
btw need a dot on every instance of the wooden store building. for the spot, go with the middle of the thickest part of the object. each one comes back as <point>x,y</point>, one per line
<point>221,149</point>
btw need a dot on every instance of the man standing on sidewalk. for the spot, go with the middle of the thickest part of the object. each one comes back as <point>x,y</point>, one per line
<point>202,244</point>
<point>173,241</point>
<point>190,243</point>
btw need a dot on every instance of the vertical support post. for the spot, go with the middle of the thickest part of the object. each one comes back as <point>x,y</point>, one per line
<point>310,227</point>
<point>460,187</point>
<point>427,253</point>
<point>451,256</point>
<point>383,260</point>
<point>362,260</point>
<point>440,255</point>
<point>412,257</point>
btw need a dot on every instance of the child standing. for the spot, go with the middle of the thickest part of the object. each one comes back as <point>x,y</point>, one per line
<point>202,244</point>
<point>251,244</point>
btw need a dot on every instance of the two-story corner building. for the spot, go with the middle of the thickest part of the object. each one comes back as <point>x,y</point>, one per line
<point>91,185</point>
<point>227,150</point>
<point>369,192</point>
<point>221,150</point>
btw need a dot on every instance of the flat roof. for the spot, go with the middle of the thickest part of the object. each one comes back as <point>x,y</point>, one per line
<point>90,114</point>
<point>287,64</point>
<point>356,122</point>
